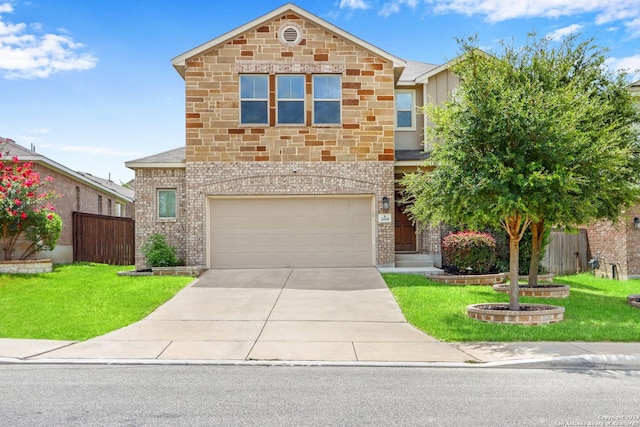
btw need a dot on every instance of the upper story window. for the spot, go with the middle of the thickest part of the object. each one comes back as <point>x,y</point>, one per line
<point>290,93</point>
<point>290,103</point>
<point>327,99</point>
<point>254,99</point>
<point>405,110</point>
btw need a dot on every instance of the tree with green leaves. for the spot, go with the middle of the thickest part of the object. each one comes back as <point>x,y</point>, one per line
<point>537,135</point>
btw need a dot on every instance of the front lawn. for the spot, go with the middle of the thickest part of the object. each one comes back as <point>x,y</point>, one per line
<point>596,310</point>
<point>79,301</point>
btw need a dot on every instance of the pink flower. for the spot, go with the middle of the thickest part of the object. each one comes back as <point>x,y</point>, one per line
<point>23,215</point>
<point>18,202</point>
<point>49,178</point>
<point>49,217</point>
<point>15,159</point>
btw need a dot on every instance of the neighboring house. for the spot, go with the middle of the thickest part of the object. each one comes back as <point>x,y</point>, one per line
<point>296,132</point>
<point>80,192</point>
<point>618,245</point>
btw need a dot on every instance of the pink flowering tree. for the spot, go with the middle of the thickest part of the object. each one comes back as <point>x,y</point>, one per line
<point>28,221</point>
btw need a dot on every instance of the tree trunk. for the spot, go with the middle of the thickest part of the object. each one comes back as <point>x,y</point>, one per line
<point>515,226</point>
<point>537,232</point>
<point>514,289</point>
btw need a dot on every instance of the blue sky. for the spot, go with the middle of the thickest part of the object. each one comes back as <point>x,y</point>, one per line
<point>90,83</point>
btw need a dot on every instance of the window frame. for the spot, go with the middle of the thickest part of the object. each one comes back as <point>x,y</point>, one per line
<point>292,100</point>
<point>326,100</point>
<point>175,204</point>
<point>264,100</point>
<point>412,110</point>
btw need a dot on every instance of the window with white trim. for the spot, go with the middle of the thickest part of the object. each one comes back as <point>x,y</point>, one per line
<point>405,109</point>
<point>254,99</point>
<point>290,99</point>
<point>327,99</point>
<point>167,204</point>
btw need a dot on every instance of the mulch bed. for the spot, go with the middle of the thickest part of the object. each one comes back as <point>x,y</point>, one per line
<point>523,307</point>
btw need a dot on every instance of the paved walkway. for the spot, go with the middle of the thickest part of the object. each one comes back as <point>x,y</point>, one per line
<point>319,315</point>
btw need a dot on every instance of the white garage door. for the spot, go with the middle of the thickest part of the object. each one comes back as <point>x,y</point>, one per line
<point>291,232</point>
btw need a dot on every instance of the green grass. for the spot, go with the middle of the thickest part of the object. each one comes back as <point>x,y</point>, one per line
<point>79,301</point>
<point>596,310</point>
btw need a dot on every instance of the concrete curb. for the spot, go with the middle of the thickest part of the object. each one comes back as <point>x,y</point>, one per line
<point>581,362</point>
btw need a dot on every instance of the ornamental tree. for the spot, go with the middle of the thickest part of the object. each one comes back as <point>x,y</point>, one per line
<point>26,216</point>
<point>535,135</point>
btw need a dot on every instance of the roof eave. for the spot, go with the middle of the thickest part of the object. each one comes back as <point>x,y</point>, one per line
<point>155,165</point>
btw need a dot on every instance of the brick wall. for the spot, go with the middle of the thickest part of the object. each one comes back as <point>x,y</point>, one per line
<point>216,179</point>
<point>213,133</point>
<point>146,213</point>
<point>617,243</point>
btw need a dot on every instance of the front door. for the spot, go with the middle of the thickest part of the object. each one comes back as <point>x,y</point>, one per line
<point>405,230</point>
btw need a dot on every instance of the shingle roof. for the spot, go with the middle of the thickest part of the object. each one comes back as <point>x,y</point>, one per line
<point>9,148</point>
<point>174,156</point>
<point>413,69</point>
<point>126,192</point>
<point>411,155</point>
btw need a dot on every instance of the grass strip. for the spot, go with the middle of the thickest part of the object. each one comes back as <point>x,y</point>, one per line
<point>596,310</point>
<point>79,301</point>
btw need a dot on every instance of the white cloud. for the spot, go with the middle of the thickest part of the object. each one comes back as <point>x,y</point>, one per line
<point>501,10</point>
<point>606,11</point>
<point>392,7</point>
<point>563,32</point>
<point>630,64</point>
<point>24,55</point>
<point>89,149</point>
<point>354,4</point>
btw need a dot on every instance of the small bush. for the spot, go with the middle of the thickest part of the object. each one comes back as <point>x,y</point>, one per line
<point>159,253</point>
<point>470,249</point>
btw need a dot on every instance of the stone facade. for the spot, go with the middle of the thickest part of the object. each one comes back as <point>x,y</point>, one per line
<point>213,132</point>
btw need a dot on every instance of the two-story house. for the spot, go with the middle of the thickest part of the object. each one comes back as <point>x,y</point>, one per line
<point>296,133</point>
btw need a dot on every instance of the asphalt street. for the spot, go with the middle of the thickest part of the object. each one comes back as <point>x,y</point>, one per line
<point>141,395</point>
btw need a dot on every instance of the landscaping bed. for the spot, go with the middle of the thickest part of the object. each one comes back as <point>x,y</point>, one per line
<point>596,311</point>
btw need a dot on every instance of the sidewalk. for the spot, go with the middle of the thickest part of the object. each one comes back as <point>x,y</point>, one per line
<point>301,316</point>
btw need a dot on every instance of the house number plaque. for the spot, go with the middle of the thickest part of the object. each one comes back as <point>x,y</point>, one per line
<point>384,218</point>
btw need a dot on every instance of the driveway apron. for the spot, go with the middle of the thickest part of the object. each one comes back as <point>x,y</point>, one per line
<point>319,314</point>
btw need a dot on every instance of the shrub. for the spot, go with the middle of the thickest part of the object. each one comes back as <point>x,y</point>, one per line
<point>23,211</point>
<point>159,253</point>
<point>470,249</point>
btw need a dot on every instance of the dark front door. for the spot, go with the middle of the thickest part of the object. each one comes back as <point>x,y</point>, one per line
<point>405,230</point>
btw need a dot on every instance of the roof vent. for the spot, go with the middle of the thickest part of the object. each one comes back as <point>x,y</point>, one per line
<point>290,35</point>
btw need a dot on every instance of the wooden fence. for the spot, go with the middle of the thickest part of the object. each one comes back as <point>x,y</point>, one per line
<point>567,253</point>
<point>103,239</point>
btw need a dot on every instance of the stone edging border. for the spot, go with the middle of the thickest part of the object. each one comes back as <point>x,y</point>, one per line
<point>547,314</point>
<point>471,279</point>
<point>26,266</point>
<point>543,291</point>
<point>634,300</point>
<point>192,271</point>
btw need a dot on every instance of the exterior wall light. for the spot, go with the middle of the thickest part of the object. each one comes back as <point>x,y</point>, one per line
<point>385,204</point>
<point>636,223</point>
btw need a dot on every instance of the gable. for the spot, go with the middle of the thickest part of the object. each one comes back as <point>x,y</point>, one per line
<point>288,11</point>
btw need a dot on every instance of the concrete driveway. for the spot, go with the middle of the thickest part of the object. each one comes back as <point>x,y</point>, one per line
<point>343,314</point>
